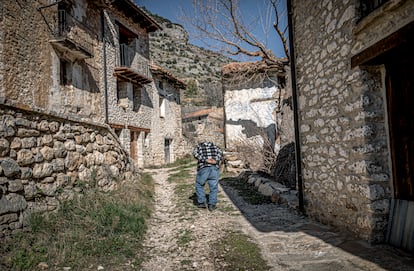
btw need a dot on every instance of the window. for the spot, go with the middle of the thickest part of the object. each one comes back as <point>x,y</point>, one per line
<point>162,107</point>
<point>118,132</point>
<point>137,91</point>
<point>62,22</point>
<point>177,99</point>
<point>63,18</point>
<point>122,94</point>
<point>127,40</point>
<point>129,95</point>
<point>64,72</point>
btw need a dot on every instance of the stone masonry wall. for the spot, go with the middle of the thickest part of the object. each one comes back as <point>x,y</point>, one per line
<point>205,124</point>
<point>45,159</point>
<point>31,65</point>
<point>167,127</point>
<point>346,172</point>
<point>120,114</point>
<point>23,31</point>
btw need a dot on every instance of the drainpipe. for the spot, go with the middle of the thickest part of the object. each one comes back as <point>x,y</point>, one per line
<point>104,65</point>
<point>295,107</point>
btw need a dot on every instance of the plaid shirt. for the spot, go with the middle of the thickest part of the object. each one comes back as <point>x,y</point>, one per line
<point>206,150</point>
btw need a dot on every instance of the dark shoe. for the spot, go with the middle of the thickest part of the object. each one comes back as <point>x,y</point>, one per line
<point>201,205</point>
<point>211,207</point>
<point>193,197</point>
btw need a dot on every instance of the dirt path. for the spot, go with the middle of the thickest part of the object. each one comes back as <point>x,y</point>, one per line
<point>180,235</point>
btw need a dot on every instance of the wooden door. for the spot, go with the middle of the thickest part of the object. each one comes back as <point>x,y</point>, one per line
<point>134,147</point>
<point>400,105</point>
<point>167,149</point>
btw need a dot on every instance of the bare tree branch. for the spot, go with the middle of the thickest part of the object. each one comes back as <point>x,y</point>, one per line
<point>221,25</point>
<point>281,34</point>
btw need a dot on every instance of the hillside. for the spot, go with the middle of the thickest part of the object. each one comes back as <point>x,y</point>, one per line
<point>200,68</point>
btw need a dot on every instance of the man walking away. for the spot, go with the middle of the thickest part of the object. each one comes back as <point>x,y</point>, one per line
<point>209,157</point>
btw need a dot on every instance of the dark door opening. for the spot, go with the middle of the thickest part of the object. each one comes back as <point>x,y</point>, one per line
<point>400,96</point>
<point>400,106</point>
<point>167,154</point>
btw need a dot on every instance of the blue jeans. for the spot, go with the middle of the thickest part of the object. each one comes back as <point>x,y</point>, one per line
<point>211,175</point>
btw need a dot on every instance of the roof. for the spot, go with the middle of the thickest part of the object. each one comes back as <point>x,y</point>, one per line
<point>199,113</point>
<point>215,113</point>
<point>138,14</point>
<point>163,73</point>
<point>254,67</point>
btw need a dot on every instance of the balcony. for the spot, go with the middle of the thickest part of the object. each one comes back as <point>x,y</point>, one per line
<point>71,36</point>
<point>131,68</point>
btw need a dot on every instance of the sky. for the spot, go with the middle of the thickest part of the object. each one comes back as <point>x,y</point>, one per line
<point>251,9</point>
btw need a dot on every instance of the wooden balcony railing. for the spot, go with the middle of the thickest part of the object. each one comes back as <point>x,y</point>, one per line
<point>70,34</point>
<point>131,66</point>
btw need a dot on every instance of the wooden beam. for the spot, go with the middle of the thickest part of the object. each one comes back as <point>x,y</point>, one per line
<point>138,129</point>
<point>116,126</point>
<point>397,38</point>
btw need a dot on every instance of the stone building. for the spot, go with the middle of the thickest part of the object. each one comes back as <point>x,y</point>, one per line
<point>205,124</point>
<point>78,101</point>
<point>166,141</point>
<point>354,75</point>
<point>255,100</point>
<point>88,59</point>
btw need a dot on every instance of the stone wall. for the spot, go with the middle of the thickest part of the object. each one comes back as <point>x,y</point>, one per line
<point>119,111</point>
<point>205,124</point>
<point>343,136</point>
<point>45,159</point>
<point>165,125</point>
<point>31,65</point>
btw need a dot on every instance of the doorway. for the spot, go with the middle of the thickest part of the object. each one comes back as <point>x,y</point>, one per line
<point>134,147</point>
<point>400,107</point>
<point>167,150</point>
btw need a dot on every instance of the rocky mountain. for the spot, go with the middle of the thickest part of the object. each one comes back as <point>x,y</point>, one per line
<point>198,67</point>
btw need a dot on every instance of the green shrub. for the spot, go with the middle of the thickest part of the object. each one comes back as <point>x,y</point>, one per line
<point>94,228</point>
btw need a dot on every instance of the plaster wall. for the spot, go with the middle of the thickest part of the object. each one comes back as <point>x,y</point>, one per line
<point>249,107</point>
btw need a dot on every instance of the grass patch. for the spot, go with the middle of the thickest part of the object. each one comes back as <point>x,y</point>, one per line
<point>95,228</point>
<point>185,263</point>
<point>247,191</point>
<point>185,161</point>
<point>185,237</point>
<point>184,190</point>
<point>228,209</point>
<point>235,251</point>
<point>192,167</point>
<point>181,176</point>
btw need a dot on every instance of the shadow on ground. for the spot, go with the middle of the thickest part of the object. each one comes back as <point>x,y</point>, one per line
<point>267,217</point>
